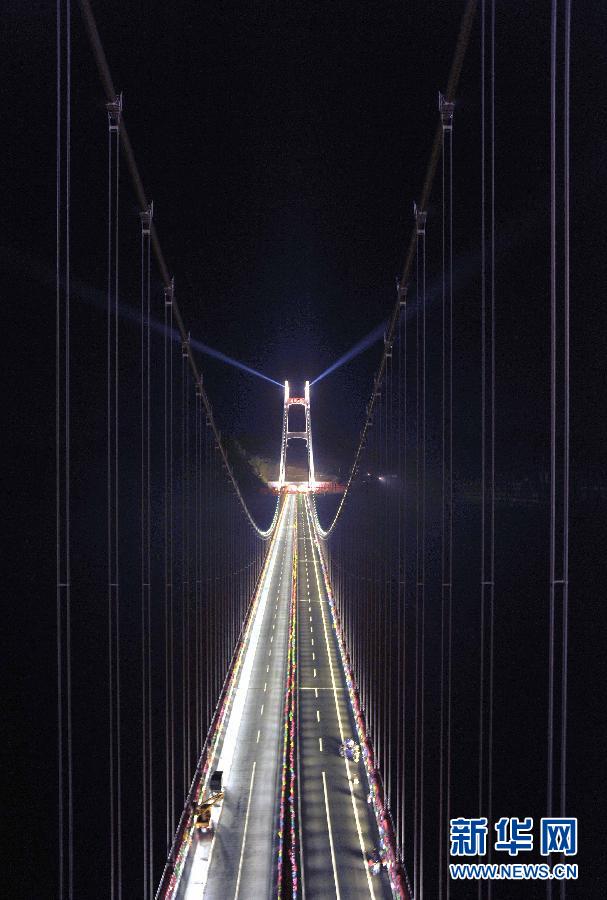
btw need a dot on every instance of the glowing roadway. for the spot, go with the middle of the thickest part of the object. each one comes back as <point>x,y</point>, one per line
<point>336,825</point>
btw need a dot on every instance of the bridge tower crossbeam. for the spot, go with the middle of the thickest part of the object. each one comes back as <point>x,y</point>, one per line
<point>288,436</point>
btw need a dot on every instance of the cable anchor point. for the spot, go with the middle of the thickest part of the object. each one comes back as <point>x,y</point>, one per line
<point>420,219</point>
<point>169,292</point>
<point>146,217</point>
<point>401,291</point>
<point>446,108</point>
<point>114,112</point>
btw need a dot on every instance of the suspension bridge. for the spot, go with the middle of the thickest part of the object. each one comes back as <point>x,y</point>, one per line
<point>276,709</point>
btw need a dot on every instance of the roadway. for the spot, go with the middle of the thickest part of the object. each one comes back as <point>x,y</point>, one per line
<point>337,826</point>
<point>238,861</point>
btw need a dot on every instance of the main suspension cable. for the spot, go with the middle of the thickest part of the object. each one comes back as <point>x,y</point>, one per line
<point>453,81</point>
<point>127,149</point>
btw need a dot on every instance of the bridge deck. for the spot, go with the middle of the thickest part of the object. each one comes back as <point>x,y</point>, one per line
<point>337,827</point>
<point>238,861</point>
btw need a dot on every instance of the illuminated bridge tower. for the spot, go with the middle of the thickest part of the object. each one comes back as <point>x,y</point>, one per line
<point>288,436</point>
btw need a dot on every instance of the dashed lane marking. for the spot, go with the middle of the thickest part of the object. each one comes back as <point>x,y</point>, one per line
<point>244,836</point>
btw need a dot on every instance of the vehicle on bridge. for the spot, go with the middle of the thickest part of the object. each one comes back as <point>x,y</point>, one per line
<point>350,750</point>
<point>202,812</point>
<point>375,860</point>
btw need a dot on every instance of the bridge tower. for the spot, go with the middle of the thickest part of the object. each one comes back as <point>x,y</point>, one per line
<point>288,436</point>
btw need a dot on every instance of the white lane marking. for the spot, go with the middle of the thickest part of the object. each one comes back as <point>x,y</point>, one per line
<point>312,639</point>
<point>313,655</point>
<point>258,733</point>
<point>265,686</point>
<point>244,835</point>
<point>318,715</point>
<point>324,785</point>
<point>268,668</point>
<point>269,653</point>
<point>320,744</point>
<point>314,673</point>
<point>318,689</point>
<point>341,730</point>
<point>271,638</point>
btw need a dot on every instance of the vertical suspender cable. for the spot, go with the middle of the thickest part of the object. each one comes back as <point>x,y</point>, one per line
<point>559,418</point>
<point>399,593</point>
<point>197,729</point>
<point>143,561</point>
<point>187,507</point>
<point>184,563</point>
<point>114,112</point>
<point>168,561</point>
<point>441,772</point>
<point>423,576</point>
<point>166,575</point>
<point>450,504</point>
<point>566,409</point>
<point>149,583</point>
<point>446,112</point>
<point>62,450</point>
<point>420,217</point>
<point>207,575</point>
<point>389,627</point>
<point>146,687</point>
<point>389,576</point>
<point>171,581</point>
<point>417,570</point>
<point>551,622</point>
<point>487,612</point>
<point>492,452</point>
<point>481,746</point>
<point>402,542</point>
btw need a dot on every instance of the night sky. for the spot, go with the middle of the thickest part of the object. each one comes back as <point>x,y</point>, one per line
<point>283,145</point>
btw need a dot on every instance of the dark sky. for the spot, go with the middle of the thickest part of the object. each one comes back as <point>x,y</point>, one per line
<point>283,145</point>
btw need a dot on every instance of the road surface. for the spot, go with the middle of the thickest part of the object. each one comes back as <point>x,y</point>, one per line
<point>337,828</point>
<point>238,861</point>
